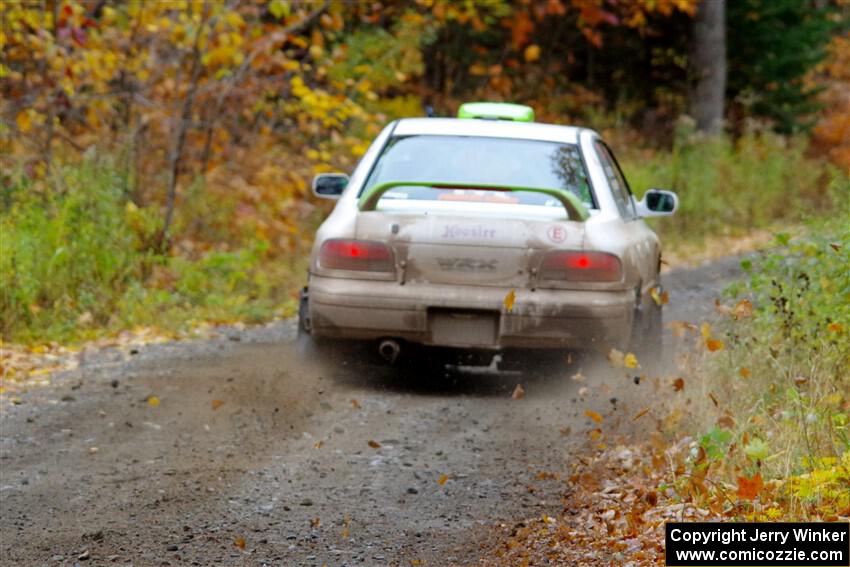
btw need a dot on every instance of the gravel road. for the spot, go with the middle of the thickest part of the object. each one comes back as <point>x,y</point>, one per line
<point>253,458</point>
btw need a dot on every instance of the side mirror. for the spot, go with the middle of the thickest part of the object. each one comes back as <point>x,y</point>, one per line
<point>329,185</point>
<point>657,203</point>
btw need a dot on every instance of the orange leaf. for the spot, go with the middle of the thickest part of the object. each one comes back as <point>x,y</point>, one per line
<point>519,392</point>
<point>509,301</point>
<point>374,444</point>
<point>593,415</point>
<point>532,53</point>
<point>744,372</point>
<point>678,384</point>
<point>748,488</point>
<point>239,542</point>
<point>714,345</point>
<point>355,404</point>
<point>443,479</point>
<point>641,413</point>
<point>217,404</point>
<point>743,309</point>
<point>726,421</point>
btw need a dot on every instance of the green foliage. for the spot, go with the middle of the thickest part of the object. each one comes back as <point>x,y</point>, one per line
<point>727,187</point>
<point>772,44</point>
<point>715,443</point>
<point>792,406</point>
<point>76,264</point>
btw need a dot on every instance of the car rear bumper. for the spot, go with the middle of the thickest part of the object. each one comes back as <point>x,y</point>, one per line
<point>363,309</point>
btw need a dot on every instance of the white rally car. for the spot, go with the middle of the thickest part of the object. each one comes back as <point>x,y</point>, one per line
<point>487,231</point>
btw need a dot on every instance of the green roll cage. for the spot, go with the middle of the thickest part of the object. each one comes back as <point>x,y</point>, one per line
<point>576,210</point>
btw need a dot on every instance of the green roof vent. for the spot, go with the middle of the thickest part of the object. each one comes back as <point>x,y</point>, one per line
<point>496,111</point>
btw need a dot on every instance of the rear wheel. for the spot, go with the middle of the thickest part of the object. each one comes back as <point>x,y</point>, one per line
<point>647,337</point>
<point>308,347</point>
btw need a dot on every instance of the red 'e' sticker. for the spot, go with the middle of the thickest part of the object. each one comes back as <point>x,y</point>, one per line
<point>557,233</point>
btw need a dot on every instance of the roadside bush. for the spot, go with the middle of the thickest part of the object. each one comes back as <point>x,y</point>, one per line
<point>728,188</point>
<point>778,376</point>
<point>77,262</point>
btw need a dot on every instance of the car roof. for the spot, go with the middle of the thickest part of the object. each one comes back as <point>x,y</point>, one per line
<point>487,128</point>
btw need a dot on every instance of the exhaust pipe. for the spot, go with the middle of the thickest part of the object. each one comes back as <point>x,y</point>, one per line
<point>389,350</point>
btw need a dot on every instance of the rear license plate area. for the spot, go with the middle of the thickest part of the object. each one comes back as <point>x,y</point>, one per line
<point>463,328</point>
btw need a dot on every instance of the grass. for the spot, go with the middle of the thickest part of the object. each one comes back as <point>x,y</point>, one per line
<point>730,187</point>
<point>76,264</point>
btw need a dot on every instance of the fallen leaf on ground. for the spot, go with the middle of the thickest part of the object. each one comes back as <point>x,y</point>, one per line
<point>153,401</point>
<point>641,413</point>
<point>593,415</point>
<point>835,327</point>
<point>566,431</point>
<point>519,392</point>
<point>315,523</point>
<point>748,488</point>
<point>217,404</point>
<point>726,421</point>
<point>678,384</point>
<point>744,372</point>
<point>800,380</point>
<point>443,479</point>
<point>616,357</point>
<point>239,542</point>
<point>355,404</point>
<point>835,246</point>
<point>743,309</point>
<point>714,345</point>
<point>630,361</point>
<point>713,399</point>
<point>577,377</point>
<point>319,444</point>
<point>705,329</point>
<point>509,301</point>
<point>374,444</point>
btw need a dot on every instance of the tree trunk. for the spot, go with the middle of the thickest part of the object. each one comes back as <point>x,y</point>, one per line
<point>708,65</point>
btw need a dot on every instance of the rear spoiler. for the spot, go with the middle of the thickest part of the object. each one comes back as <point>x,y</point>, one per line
<point>575,208</point>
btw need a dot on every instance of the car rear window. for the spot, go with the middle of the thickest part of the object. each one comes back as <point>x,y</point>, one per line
<point>480,160</point>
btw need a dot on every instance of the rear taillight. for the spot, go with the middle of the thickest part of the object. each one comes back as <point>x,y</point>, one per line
<point>363,255</point>
<point>573,266</point>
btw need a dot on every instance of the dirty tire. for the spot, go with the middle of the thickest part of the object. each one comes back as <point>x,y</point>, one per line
<point>647,338</point>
